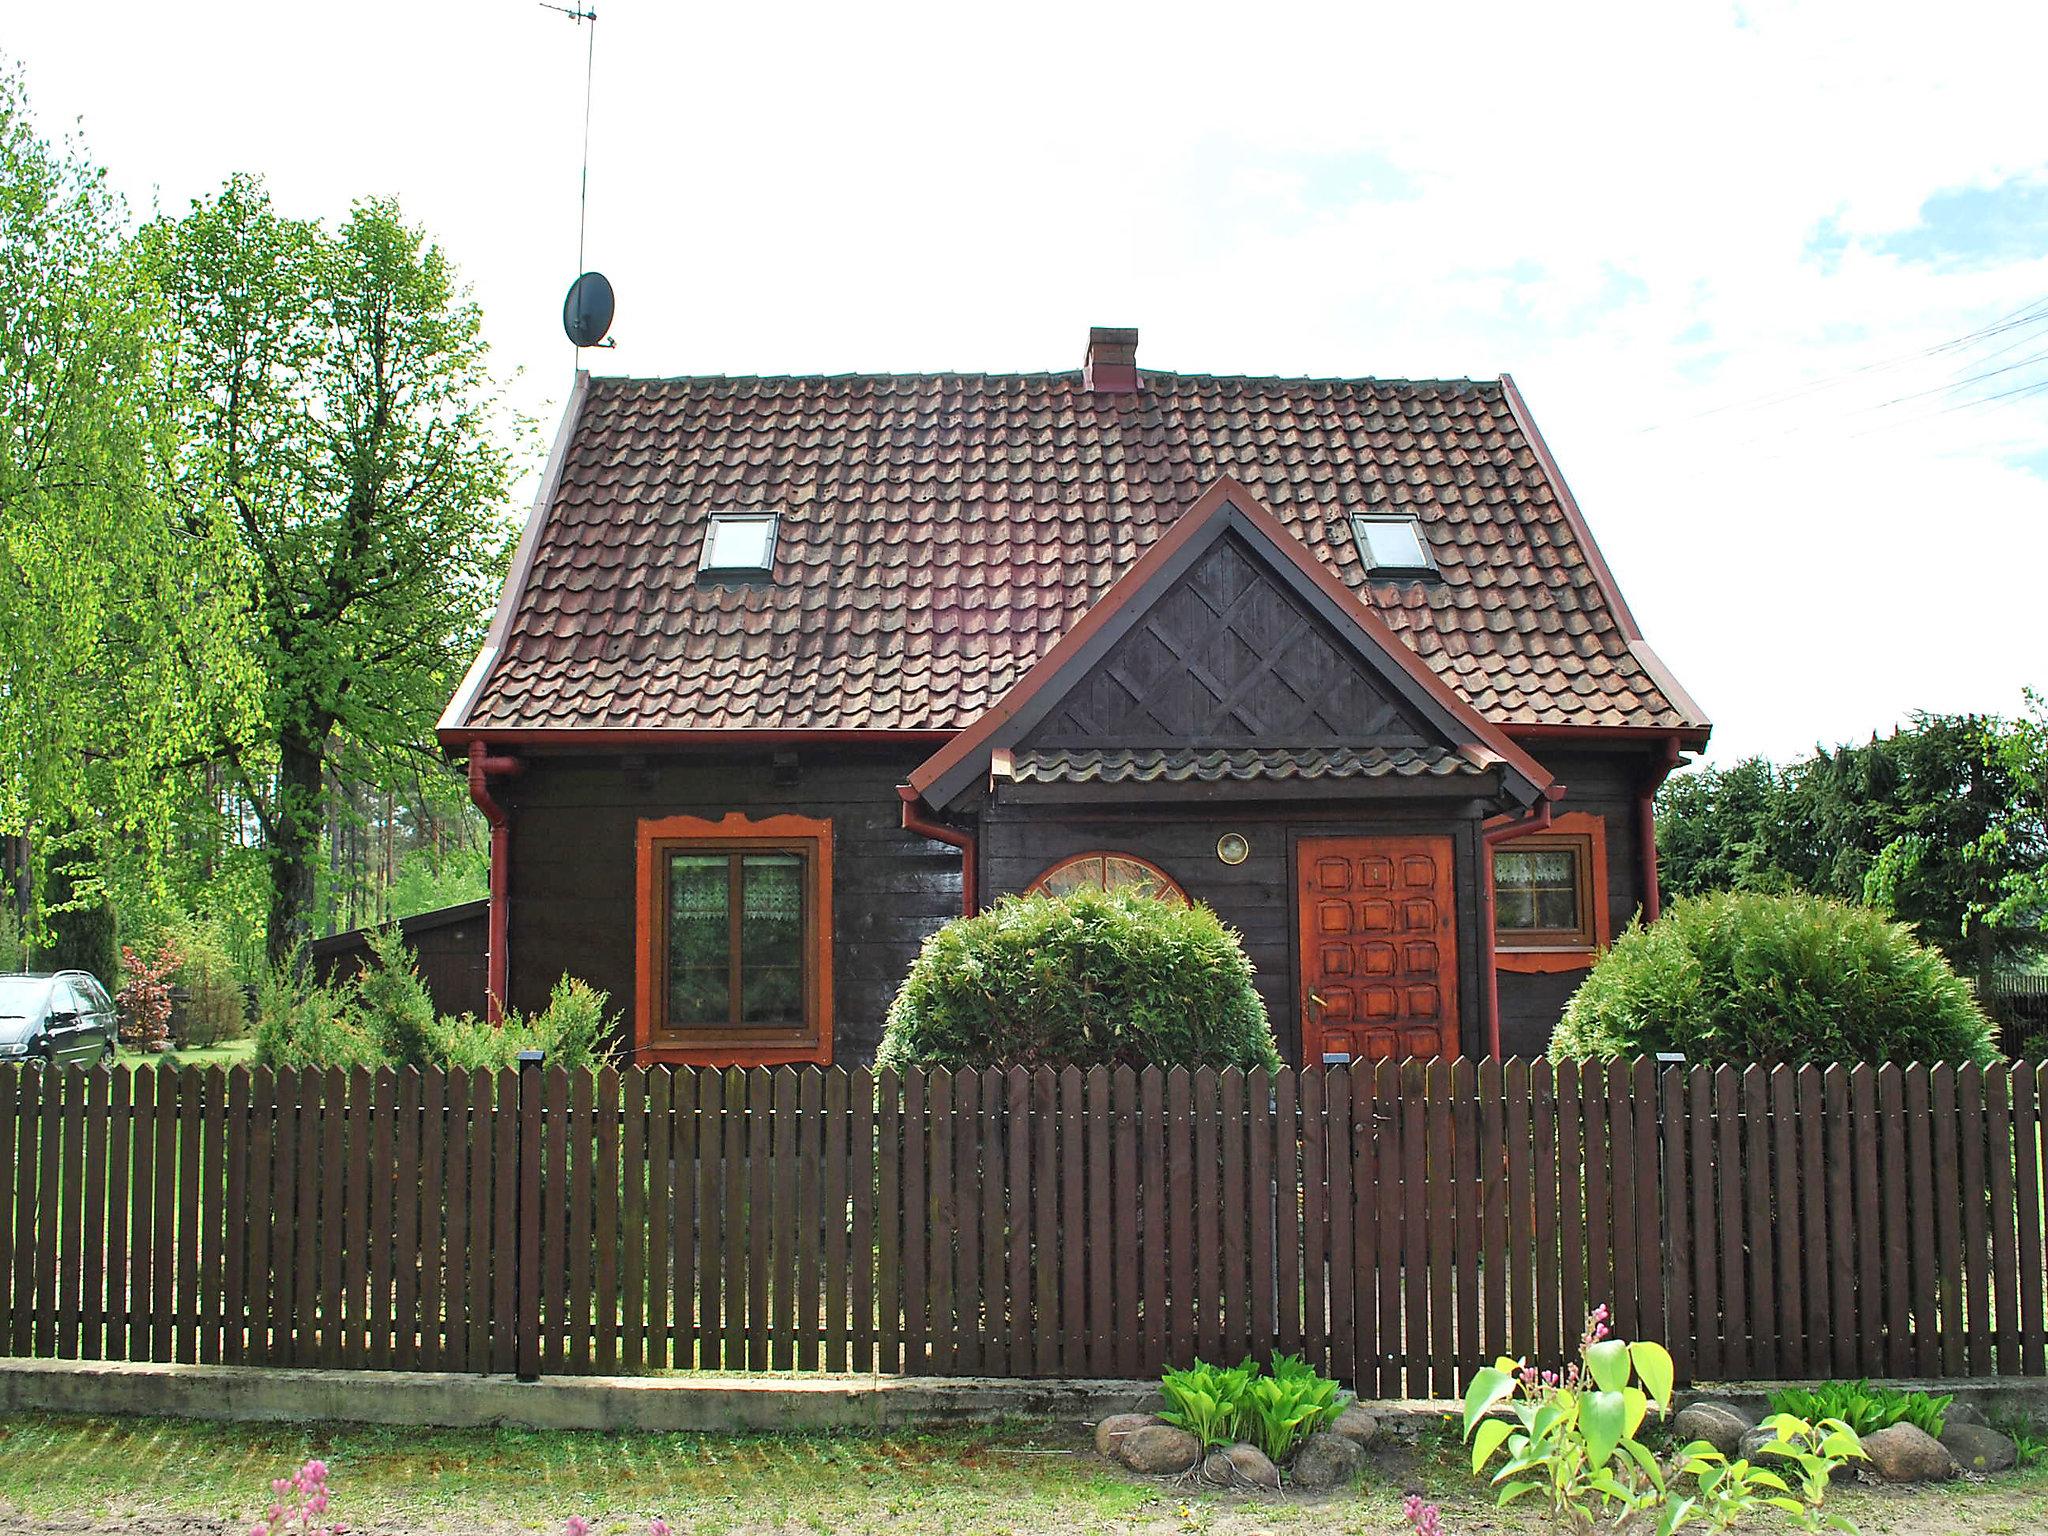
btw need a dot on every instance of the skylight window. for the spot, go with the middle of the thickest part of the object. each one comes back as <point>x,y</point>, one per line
<point>740,544</point>
<point>1392,545</point>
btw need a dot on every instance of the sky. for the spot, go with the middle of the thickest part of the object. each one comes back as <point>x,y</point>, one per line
<point>1773,278</point>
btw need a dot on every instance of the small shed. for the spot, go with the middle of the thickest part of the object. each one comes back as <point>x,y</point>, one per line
<point>450,943</point>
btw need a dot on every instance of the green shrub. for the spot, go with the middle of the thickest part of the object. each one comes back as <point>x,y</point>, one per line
<point>1741,977</point>
<point>1864,1408</point>
<point>300,1023</point>
<point>384,1017</point>
<point>1088,978</point>
<point>13,939</point>
<point>393,1003</point>
<point>572,1029</point>
<point>215,1008</point>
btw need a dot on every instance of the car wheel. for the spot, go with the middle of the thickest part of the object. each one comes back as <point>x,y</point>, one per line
<point>106,1050</point>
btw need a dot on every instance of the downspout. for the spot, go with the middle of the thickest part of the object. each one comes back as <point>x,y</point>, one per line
<point>916,821</point>
<point>1494,833</point>
<point>1646,831</point>
<point>482,768</point>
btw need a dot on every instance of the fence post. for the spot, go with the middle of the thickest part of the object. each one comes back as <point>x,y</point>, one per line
<point>526,1216</point>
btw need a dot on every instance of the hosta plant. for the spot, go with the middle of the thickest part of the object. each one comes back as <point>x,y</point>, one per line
<point>1864,1408</point>
<point>1208,1401</point>
<point>1285,1408</point>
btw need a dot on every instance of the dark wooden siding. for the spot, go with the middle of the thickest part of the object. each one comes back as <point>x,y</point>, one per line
<point>451,944</point>
<point>1256,897</point>
<point>573,822</point>
<point>1602,784</point>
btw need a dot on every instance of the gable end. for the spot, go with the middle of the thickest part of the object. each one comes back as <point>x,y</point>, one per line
<point>1229,657</point>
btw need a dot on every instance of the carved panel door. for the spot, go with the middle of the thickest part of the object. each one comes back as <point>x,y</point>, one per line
<point>1379,962</point>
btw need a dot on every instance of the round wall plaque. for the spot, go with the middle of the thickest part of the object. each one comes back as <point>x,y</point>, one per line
<point>1232,848</point>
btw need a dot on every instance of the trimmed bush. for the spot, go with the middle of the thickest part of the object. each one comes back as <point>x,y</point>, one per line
<point>1088,978</point>
<point>1742,976</point>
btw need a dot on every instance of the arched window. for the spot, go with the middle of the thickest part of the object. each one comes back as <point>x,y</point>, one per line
<point>1110,872</point>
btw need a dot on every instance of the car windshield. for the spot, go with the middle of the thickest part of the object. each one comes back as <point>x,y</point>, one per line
<point>21,996</point>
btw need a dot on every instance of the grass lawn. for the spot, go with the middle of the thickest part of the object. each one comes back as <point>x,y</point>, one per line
<point>232,1053</point>
<point>181,1478</point>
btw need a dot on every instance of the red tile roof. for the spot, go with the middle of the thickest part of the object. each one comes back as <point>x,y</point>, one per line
<point>940,532</point>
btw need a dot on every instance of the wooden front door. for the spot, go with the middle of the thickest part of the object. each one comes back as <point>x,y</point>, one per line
<point>1379,948</point>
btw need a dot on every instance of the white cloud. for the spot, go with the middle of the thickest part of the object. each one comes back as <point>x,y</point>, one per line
<point>1616,203</point>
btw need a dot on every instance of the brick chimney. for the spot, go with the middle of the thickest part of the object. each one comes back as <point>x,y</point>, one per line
<point>1112,365</point>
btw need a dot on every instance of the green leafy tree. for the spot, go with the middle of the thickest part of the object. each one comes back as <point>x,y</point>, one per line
<point>114,619</point>
<point>1943,824</point>
<point>334,408</point>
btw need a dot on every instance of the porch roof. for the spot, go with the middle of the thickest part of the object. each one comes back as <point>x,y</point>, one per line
<point>1245,764</point>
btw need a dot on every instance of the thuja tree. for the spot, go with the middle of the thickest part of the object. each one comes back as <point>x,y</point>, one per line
<point>335,408</point>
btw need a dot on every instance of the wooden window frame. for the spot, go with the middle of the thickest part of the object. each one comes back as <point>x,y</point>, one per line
<point>1038,885</point>
<point>1551,950</point>
<point>735,1047</point>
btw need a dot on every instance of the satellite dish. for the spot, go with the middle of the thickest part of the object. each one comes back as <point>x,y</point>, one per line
<point>587,311</point>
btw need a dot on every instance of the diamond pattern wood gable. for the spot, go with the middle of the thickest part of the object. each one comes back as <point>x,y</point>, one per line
<point>1229,657</point>
<point>1125,675</point>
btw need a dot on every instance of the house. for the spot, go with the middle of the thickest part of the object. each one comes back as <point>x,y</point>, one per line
<point>789,670</point>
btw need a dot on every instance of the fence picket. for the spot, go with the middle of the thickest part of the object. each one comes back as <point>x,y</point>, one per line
<point>1787,1229</point>
<point>2026,1141</point>
<point>1976,1291</point>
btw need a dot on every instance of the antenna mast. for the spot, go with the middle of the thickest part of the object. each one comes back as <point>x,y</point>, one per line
<point>579,15</point>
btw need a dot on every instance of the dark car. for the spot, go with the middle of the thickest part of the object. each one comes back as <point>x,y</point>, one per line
<point>63,1017</point>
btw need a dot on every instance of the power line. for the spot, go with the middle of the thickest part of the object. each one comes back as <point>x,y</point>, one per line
<point>2034,313</point>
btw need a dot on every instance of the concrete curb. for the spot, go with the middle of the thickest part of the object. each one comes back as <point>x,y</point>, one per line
<point>658,1404</point>
<point>714,1404</point>
<point>684,1404</point>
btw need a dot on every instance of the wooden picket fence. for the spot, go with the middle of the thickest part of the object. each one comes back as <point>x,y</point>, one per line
<point>1397,1224</point>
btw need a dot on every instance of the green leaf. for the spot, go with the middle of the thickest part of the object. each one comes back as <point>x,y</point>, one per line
<point>1638,1408</point>
<point>1491,1434</point>
<point>1675,1515</point>
<point>1608,1363</point>
<point>1653,1365</point>
<point>1489,1386</point>
<point>1515,1491</point>
<point>1646,1461</point>
<point>1602,1419</point>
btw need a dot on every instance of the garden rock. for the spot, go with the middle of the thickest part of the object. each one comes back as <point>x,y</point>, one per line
<point>1110,1433</point>
<point>1159,1450</point>
<point>1906,1454</point>
<point>1240,1466</point>
<point>1759,1447</point>
<point>1357,1425</point>
<point>1721,1425</point>
<point>1963,1413</point>
<point>1977,1448</point>
<point>1326,1460</point>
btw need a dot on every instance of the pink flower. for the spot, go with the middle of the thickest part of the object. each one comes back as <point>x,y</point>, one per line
<point>657,1527</point>
<point>576,1526</point>
<point>1426,1518</point>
